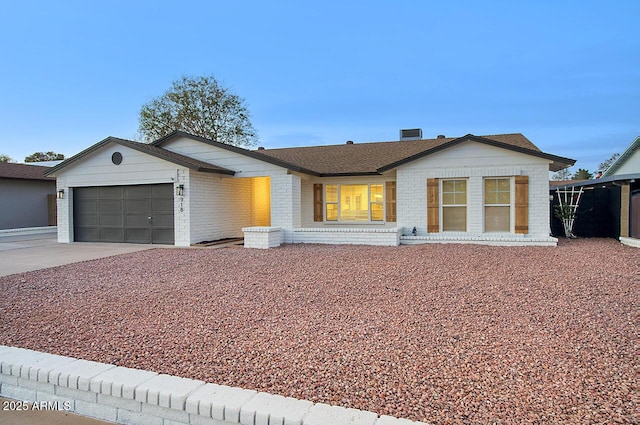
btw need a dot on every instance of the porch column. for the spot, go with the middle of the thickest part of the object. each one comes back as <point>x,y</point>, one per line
<point>285,204</point>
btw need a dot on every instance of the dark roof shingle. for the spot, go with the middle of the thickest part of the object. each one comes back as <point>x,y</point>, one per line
<point>374,157</point>
<point>23,171</point>
<point>174,157</point>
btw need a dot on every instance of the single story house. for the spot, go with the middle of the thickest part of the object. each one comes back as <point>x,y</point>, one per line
<point>610,205</point>
<point>183,189</point>
<point>29,196</point>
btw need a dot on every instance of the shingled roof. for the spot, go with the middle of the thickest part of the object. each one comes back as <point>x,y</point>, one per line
<point>156,151</point>
<point>352,159</point>
<point>23,171</point>
<point>377,157</point>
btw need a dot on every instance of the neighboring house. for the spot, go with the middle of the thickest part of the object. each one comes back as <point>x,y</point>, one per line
<point>183,189</point>
<point>627,163</point>
<point>609,205</point>
<point>28,197</point>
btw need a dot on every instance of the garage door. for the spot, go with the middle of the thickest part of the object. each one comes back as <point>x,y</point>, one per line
<point>135,214</point>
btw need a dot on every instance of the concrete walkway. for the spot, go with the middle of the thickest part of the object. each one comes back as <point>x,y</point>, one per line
<point>23,253</point>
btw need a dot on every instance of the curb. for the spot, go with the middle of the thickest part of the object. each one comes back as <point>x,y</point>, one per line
<point>140,397</point>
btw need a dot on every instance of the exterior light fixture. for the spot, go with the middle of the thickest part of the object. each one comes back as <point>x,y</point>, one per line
<point>61,194</point>
<point>180,190</point>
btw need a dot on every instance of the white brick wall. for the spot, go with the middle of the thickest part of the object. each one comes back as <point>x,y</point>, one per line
<point>64,207</point>
<point>348,236</point>
<point>96,169</point>
<point>219,207</point>
<point>472,161</point>
<point>213,207</point>
<point>307,197</point>
<point>285,204</point>
<point>148,398</point>
<point>216,207</point>
<point>262,237</point>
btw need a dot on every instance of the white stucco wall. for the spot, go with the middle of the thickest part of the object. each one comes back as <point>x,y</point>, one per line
<point>473,161</point>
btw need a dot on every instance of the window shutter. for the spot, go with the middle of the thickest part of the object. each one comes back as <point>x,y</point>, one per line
<point>317,202</point>
<point>433,206</point>
<point>522,204</point>
<point>390,201</point>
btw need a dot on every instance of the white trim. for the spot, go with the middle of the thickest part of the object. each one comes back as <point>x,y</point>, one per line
<point>630,242</point>
<point>511,205</point>
<point>441,204</point>
<point>485,239</point>
<point>369,202</point>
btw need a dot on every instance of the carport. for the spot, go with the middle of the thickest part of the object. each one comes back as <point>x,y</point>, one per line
<point>609,207</point>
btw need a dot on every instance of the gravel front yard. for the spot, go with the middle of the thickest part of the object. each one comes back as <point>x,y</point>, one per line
<point>439,333</point>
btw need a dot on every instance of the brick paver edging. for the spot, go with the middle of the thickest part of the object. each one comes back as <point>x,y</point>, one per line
<point>134,396</point>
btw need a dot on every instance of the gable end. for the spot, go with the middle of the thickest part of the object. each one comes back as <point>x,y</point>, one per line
<point>235,149</point>
<point>557,162</point>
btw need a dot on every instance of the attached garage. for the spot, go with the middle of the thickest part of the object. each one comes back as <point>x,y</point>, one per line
<point>133,214</point>
<point>122,191</point>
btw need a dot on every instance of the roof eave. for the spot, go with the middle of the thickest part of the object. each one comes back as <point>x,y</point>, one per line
<point>35,179</point>
<point>557,162</point>
<point>173,160</point>
<point>77,156</point>
<point>355,174</point>
<point>602,181</point>
<point>130,144</point>
<point>560,163</point>
<point>236,149</point>
<point>625,155</point>
<point>215,171</point>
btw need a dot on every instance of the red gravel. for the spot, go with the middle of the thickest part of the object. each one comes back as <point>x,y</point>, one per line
<point>440,333</point>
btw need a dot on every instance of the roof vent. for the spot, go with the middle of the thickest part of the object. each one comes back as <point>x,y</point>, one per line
<point>411,134</point>
<point>260,148</point>
<point>441,136</point>
<point>349,142</point>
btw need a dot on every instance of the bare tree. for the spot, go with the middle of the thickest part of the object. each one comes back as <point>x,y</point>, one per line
<point>561,175</point>
<point>604,166</point>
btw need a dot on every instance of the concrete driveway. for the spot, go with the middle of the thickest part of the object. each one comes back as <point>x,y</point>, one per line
<point>23,253</point>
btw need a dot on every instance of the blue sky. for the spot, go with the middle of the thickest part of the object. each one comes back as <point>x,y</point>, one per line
<point>564,73</point>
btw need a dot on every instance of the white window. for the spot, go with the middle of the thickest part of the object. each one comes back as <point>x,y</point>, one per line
<point>454,205</point>
<point>497,204</point>
<point>354,202</point>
